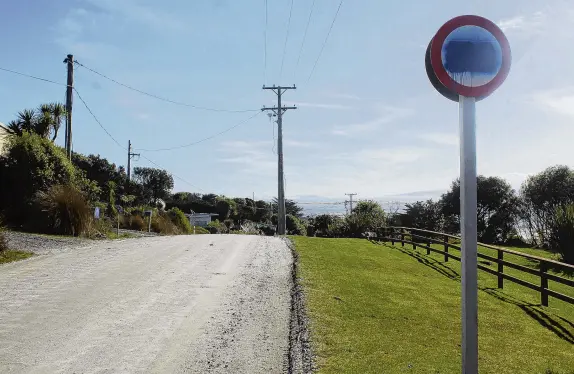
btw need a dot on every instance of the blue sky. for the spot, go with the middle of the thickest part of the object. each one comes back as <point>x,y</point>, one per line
<point>368,119</point>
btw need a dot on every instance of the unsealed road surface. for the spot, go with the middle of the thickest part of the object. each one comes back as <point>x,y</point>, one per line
<point>188,304</point>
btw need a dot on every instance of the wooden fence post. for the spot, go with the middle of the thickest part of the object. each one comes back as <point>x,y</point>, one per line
<point>543,284</point>
<point>392,235</point>
<point>428,247</point>
<point>445,241</point>
<point>402,237</point>
<point>500,269</point>
<point>413,240</point>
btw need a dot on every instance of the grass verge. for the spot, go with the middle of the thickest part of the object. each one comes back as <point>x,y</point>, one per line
<point>10,256</point>
<point>388,309</point>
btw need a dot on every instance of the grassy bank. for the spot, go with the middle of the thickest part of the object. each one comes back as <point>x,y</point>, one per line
<point>10,256</point>
<point>384,309</point>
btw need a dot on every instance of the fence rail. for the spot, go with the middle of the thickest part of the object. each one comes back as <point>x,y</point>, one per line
<point>425,238</point>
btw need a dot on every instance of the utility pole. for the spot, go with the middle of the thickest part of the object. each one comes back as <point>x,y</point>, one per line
<point>350,201</point>
<point>69,95</point>
<point>278,111</point>
<point>130,156</point>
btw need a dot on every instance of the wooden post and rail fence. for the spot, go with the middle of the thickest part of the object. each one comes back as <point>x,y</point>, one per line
<point>425,239</point>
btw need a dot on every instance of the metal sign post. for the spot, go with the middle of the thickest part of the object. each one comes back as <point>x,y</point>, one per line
<point>467,59</point>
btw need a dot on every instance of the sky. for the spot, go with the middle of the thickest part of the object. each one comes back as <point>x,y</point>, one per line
<point>368,120</point>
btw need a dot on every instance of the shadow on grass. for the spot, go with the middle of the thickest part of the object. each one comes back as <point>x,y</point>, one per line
<point>551,322</point>
<point>554,323</point>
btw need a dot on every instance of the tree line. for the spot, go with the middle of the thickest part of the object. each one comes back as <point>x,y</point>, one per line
<point>540,214</point>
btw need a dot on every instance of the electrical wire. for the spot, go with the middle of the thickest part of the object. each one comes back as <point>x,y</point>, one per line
<point>98,121</point>
<point>125,149</point>
<point>176,176</point>
<point>286,38</point>
<point>325,42</point>
<point>33,77</point>
<point>265,46</point>
<point>163,98</point>
<point>201,140</point>
<point>304,38</point>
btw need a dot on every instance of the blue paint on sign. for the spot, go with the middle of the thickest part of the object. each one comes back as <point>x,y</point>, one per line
<point>466,56</point>
<point>472,56</point>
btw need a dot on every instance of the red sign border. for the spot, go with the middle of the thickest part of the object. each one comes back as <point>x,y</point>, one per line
<point>440,71</point>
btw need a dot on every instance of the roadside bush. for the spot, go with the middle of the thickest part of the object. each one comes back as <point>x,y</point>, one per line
<point>162,224</point>
<point>3,241</point>
<point>65,210</point>
<point>136,223</point>
<point>200,230</point>
<point>33,164</point>
<point>216,227</point>
<point>295,226</point>
<point>180,220</point>
<point>268,230</point>
<point>562,233</point>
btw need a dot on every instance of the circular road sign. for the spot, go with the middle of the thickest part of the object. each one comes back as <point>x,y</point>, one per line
<point>469,56</point>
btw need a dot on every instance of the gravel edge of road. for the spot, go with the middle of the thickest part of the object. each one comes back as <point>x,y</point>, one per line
<point>301,357</point>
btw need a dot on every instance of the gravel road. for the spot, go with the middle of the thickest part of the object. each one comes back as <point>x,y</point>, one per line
<point>187,304</point>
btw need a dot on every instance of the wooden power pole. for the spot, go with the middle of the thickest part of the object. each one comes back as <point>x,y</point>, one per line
<point>130,156</point>
<point>279,110</point>
<point>69,96</point>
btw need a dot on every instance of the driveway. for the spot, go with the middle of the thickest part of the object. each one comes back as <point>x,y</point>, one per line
<point>186,304</point>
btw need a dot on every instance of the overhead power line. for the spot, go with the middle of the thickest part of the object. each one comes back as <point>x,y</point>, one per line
<point>122,147</point>
<point>265,46</point>
<point>304,38</point>
<point>201,140</point>
<point>160,97</point>
<point>286,38</point>
<point>33,77</point>
<point>176,176</point>
<point>98,121</point>
<point>325,42</point>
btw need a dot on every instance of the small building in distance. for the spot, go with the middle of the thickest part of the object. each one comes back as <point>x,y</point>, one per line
<point>4,132</point>
<point>200,219</point>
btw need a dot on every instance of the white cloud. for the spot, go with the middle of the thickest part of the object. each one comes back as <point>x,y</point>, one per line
<point>387,114</point>
<point>133,10</point>
<point>252,157</point>
<point>525,24</point>
<point>440,138</point>
<point>559,101</point>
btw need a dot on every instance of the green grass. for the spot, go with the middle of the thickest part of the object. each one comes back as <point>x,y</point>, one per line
<point>10,256</point>
<point>384,309</point>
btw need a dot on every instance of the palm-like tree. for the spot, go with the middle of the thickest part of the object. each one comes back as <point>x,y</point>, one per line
<point>45,120</point>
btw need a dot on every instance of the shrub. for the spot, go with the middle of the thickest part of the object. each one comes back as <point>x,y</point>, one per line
<point>180,220</point>
<point>33,164</point>
<point>65,210</point>
<point>295,226</point>
<point>200,230</point>
<point>268,230</point>
<point>216,227</point>
<point>136,223</point>
<point>3,241</point>
<point>162,224</point>
<point>562,233</point>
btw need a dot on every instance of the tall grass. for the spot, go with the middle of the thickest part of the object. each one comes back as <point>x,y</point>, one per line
<point>66,210</point>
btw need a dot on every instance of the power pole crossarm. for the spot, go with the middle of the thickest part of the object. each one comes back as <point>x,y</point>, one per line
<point>279,110</point>
<point>130,156</point>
